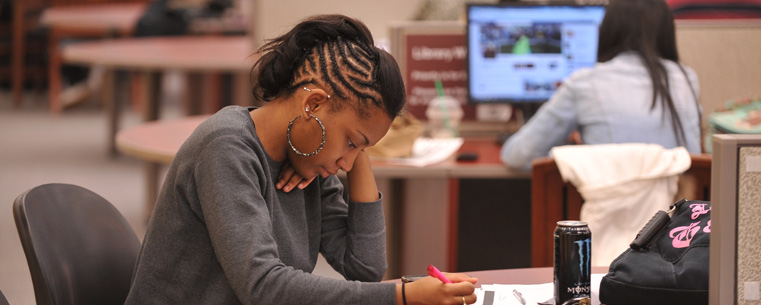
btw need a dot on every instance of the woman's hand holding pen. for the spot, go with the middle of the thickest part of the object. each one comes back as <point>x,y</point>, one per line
<point>430,290</point>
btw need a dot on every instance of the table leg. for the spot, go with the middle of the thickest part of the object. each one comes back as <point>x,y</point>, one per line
<point>394,225</point>
<point>111,100</point>
<point>216,93</point>
<point>454,216</point>
<point>151,95</point>
<point>196,93</point>
<point>242,90</point>
<point>17,46</point>
<point>424,225</point>
<point>54,72</point>
<point>151,187</point>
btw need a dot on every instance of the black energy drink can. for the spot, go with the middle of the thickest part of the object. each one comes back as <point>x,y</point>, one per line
<point>573,256</point>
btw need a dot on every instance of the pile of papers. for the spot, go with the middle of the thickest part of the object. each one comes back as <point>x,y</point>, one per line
<point>498,294</point>
<point>427,151</point>
<point>513,294</point>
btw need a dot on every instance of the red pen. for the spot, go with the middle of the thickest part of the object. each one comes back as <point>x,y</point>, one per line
<point>432,271</point>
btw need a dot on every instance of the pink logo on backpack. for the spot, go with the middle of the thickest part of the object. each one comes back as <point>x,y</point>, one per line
<point>699,209</point>
<point>682,236</point>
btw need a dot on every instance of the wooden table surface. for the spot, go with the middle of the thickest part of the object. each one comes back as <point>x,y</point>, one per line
<point>119,17</point>
<point>159,141</point>
<point>193,53</point>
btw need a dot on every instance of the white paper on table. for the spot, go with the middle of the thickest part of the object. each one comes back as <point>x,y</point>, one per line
<point>533,294</point>
<point>427,151</point>
<point>503,294</point>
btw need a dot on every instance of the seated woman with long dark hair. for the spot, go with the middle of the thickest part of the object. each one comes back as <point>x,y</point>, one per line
<point>638,92</point>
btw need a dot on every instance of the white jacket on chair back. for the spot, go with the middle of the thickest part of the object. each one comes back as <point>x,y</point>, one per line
<point>623,185</point>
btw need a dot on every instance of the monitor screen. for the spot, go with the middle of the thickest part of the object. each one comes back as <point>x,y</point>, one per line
<point>521,52</point>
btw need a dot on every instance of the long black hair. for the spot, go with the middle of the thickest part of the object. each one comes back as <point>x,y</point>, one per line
<point>647,28</point>
<point>336,52</point>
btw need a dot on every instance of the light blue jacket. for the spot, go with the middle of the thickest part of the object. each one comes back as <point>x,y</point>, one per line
<point>609,103</point>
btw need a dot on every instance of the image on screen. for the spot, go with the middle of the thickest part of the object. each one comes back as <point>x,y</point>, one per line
<point>522,52</point>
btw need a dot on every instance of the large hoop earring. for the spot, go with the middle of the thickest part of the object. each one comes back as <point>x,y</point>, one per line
<point>288,135</point>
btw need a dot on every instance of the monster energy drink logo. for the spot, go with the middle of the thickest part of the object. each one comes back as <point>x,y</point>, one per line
<point>578,289</point>
<point>584,261</point>
<point>584,268</point>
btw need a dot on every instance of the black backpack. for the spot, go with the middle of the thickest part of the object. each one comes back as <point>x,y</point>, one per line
<point>668,261</point>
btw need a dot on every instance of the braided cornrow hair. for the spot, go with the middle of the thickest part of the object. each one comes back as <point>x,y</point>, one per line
<point>337,53</point>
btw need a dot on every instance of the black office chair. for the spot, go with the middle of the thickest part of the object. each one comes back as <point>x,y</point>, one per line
<point>3,300</point>
<point>79,248</point>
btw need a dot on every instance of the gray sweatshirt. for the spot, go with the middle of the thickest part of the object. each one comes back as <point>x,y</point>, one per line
<point>222,234</point>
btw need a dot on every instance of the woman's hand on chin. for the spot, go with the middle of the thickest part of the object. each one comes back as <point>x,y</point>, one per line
<point>290,179</point>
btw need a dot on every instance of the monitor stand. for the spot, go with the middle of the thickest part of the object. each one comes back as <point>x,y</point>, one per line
<point>527,110</point>
<point>502,137</point>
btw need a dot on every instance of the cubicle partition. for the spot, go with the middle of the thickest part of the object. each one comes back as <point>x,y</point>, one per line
<point>735,274</point>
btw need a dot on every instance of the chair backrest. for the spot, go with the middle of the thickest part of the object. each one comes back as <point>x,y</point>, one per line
<point>553,200</point>
<point>3,300</point>
<point>79,248</point>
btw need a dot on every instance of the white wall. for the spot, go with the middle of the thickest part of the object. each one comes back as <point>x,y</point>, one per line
<point>726,55</point>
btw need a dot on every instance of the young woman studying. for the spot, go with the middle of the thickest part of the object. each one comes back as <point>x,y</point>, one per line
<point>638,92</point>
<point>229,229</point>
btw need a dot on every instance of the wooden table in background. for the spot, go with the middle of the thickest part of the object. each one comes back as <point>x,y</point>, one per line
<point>83,21</point>
<point>195,55</point>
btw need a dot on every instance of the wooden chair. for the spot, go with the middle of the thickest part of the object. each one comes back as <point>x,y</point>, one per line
<point>29,40</point>
<point>56,34</point>
<point>27,47</point>
<point>553,200</point>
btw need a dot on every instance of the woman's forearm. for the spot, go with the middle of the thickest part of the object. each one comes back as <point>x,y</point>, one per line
<point>362,186</point>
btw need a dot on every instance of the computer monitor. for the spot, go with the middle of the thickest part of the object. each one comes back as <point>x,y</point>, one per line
<point>520,52</point>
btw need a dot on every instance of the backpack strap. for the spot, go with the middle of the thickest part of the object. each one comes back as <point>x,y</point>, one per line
<point>653,227</point>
